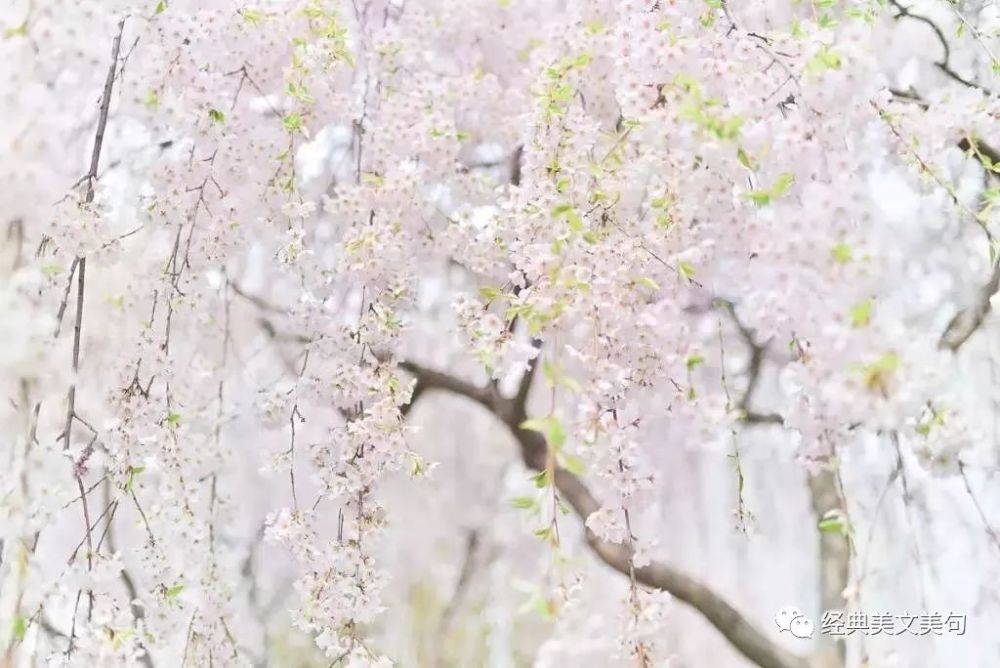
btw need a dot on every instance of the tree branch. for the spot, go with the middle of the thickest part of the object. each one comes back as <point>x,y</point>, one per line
<point>834,561</point>
<point>967,321</point>
<point>520,400</point>
<point>834,546</point>
<point>753,371</point>
<point>81,262</point>
<point>979,146</point>
<point>746,638</point>
<point>429,379</point>
<point>944,64</point>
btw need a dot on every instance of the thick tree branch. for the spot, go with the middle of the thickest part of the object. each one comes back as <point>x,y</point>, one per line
<point>746,638</point>
<point>520,400</point>
<point>980,147</point>
<point>967,321</point>
<point>429,379</point>
<point>834,562</point>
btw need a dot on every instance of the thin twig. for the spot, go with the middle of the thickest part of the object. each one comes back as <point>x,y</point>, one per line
<point>979,508</point>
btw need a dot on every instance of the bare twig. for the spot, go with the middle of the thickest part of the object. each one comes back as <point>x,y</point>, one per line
<point>943,64</point>
<point>910,519</point>
<point>137,612</point>
<point>81,267</point>
<point>979,509</point>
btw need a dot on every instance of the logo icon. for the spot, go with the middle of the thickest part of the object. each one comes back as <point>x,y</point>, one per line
<point>791,619</point>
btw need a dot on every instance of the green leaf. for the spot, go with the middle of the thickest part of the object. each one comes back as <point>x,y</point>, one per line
<point>541,479</point>
<point>161,6</point>
<point>693,361</point>
<point>418,466</point>
<point>826,21</point>
<point>876,376</point>
<point>686,269</point>
<point>646,282</point>
<point>762,197</point>
<point>824,59</point>
<point>152,99</point>
<point>17,31</point>
<point>550,372</point>
<point>119,636</point>
<point>556,434</point>
<point>490,293</point>
<point>371,178</point>
<point>523,502</point>
<point>688,83</point>
<point>841,253</point>
<point>782,185</point>
<point>534,424</point>
<point>216,115</point>
<point>570,384</point>
<point>292,122</point>
<point>572,463</point>
<point>935,419</point>
<point>861,314</point>
<point>20,627</point>
<point>551,427</point>
<point>172,593</point>
<point>834,521</point>
<point>831,526</point>
<point>888,362</point>
<point>173,420</point>
<point>133,471</point>
<point>574,221</point>
<point>253,17</point>
<point>545,608</point>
